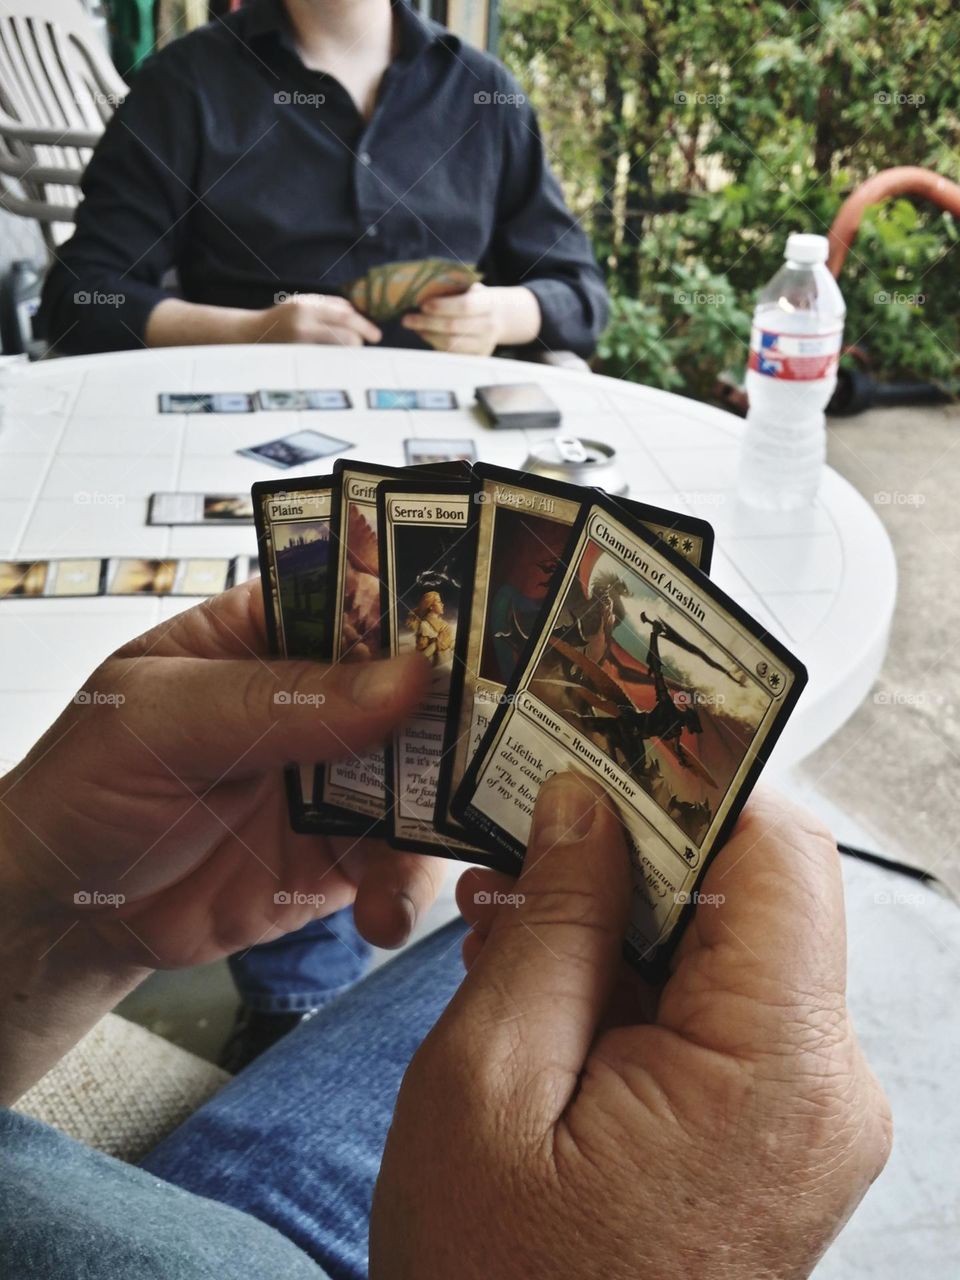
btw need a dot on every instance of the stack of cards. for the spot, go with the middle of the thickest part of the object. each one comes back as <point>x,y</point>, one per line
<point>389,291</point>
<point>564,629</point>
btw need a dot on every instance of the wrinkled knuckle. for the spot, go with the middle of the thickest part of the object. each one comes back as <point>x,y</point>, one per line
<point>559,906</point>
<point>256,694</point>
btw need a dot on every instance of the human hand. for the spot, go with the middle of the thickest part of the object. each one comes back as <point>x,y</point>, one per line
<point>478,321</point>
<point>564,1120</point>
<point>314,317</point>
<point>162,784</point>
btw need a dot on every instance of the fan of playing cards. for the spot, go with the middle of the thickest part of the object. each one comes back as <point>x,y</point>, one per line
<point>564,629</point>
<point>391,290</point>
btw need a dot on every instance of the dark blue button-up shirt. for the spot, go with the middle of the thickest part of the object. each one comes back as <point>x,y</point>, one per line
<point>255,177</point>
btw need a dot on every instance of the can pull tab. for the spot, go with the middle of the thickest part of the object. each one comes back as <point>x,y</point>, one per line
<point>571,449</point>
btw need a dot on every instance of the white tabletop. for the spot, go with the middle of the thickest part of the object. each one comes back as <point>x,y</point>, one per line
<point>76,475</point>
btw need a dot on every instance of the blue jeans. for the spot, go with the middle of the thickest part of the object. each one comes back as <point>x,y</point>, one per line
<point>272,1177</point>
<point>303,970</point>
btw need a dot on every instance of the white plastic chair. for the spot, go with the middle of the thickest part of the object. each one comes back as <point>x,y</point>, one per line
<point>58,89</point>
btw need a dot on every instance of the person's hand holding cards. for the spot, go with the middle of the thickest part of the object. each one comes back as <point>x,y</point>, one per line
<point>728,1135</point>
<point>318,318</point>
<point>478,321</point>
<point>188,730</point>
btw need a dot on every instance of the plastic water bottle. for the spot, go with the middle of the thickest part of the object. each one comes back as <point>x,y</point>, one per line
<point>794,351</point>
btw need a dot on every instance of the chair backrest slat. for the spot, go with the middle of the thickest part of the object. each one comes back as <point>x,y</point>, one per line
<point>54,74</point>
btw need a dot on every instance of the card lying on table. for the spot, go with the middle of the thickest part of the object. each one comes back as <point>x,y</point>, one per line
<point>523,525</point>
<point>425,545</point>
<point>200,508</point>
<point>645,676</point>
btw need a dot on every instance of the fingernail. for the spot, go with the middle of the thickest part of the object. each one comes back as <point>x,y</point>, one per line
<point>565,811</point>
<point>408,909</point>
<point>374,685</point>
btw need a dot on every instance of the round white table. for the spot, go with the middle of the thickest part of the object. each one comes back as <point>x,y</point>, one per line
<point>77,472</point>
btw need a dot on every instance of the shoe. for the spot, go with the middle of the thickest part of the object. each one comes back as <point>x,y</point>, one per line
<point>254,1032</point>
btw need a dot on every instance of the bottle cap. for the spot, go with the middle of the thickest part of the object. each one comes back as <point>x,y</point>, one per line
<point>806,248</point>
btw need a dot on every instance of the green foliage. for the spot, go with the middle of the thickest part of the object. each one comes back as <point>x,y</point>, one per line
<point>692,136</point>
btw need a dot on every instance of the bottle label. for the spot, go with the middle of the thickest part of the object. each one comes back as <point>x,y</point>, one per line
<point>795,357</point>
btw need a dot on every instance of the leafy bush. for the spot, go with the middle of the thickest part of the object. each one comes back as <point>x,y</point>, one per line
<point>693,135</point>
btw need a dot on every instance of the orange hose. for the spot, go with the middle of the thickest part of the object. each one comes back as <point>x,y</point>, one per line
<point>906,180</point>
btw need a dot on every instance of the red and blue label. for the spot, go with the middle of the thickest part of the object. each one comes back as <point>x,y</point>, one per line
<point>795,357</point>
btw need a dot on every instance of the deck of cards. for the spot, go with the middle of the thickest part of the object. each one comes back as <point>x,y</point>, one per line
<point>389,291</point>
<point>564,630</point>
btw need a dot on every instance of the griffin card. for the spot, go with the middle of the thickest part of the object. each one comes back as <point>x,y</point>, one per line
<point>424,537</point>
<point>356,785</point>
<point>293,534</point>
<point>646,676</point>
<point>523,527</point>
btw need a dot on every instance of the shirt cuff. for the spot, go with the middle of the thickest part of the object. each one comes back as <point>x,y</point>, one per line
<point>103,318</point>
<point>562,325</point>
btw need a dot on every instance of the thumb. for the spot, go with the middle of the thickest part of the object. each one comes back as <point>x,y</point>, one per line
<point>537,990</point>
<point>205,716</point>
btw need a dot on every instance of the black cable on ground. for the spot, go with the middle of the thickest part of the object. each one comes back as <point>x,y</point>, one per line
<point>890,864</point>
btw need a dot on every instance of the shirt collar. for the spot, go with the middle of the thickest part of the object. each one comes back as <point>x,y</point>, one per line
<point>269,17</point>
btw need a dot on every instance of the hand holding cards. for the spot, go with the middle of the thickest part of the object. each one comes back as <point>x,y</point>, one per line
<point>389,291</point>
<point>564,630</point>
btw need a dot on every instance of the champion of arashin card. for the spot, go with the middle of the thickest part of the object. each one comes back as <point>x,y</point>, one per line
<point>647,677</point>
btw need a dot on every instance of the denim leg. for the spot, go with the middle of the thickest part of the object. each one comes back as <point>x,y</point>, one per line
<point>296,1139</point>
<point>302,970</point>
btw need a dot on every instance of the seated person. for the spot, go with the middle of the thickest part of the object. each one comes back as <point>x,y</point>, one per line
<point>276,154</point>
<point>558,1117</point>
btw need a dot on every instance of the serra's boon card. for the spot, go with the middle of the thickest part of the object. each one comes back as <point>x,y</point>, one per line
<point>425,546</point>
<point>647,677</point>
<point>523,526</point>
<point>293,534</point>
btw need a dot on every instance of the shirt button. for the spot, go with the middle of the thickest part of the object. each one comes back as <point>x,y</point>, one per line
<point>364,157</point>
<point>372,232</point>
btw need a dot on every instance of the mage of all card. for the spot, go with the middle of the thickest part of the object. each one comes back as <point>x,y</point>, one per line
<point>303,400</point>
<point>645,676</point>
<point>206,402</point>
<point>523,527</point>
<point>424,549</point>
<point>296,559</point>
<point>200,508</point>
<point>390,398</point>
<point>296,449</point>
